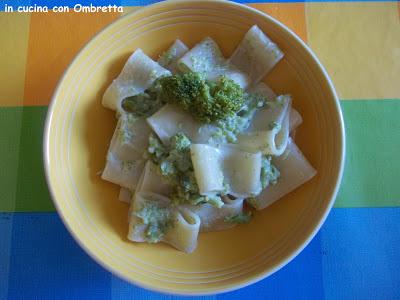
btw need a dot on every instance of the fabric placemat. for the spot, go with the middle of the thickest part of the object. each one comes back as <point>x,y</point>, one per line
<point>356,253</point>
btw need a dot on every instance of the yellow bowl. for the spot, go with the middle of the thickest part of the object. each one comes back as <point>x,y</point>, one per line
<point>78,130</point>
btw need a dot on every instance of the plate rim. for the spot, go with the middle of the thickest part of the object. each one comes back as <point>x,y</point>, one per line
<point>242,282</point>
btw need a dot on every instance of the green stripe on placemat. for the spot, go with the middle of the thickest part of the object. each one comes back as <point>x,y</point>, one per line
<point>10,129</point>
<point>372,170</point>
<point>370,178</point>
<point>21,146</point>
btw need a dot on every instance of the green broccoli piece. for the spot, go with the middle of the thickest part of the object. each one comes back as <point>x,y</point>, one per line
<point>175,165</point>
<point>159,220</point>
<point>230,127</point>
<point>189,183</point>
<point>180,152</point>
<point>269,173</point>
<point>243,217</point>
<point>144,104</point>
<point>228,98</point>
<point>156,149</point>
<point>180,142</point>
<point>187,190</point>
<point>167,168</point>
<point>182,196</point>
<point>206,101</point>
<point>184,89</point>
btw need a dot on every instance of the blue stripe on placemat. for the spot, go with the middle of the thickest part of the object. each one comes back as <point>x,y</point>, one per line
<point>300,279</point>
<point>121,290</point>
<point>355,256</point>
<point>361,253</point>
<point>303,275</point>
<point>47,264</point>
<point>5,250</point>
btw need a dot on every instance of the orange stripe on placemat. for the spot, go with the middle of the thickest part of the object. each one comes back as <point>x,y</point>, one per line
<point>54,40</point>
<point>398,6</point>
<point>291,14</point>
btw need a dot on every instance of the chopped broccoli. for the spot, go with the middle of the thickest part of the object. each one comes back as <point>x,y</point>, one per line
<point>159,220</point>
<point>156,149</point>
<point>182,196</point>
<point>207,102</point>
<point>144,104</point>
<point>180,142</point>
<point>269,173</point>
<point>180,152</point>
<point>167,168</point>
<point>243,217</point>
<point>230,127</point>
<point>175,164</point>
<point>187,191</point>
<point>172,160</point>
<point>189,183</point>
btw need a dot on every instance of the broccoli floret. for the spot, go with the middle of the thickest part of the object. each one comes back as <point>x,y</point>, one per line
<point>184,89</point>
<point>206,101</point>
<point>228,98</point>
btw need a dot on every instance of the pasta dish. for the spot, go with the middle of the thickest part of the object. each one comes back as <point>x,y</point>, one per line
<point>201,143</point>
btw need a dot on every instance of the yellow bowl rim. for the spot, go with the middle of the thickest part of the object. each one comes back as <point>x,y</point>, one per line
<point>243,283</point>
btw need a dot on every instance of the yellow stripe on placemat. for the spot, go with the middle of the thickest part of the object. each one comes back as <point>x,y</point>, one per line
<point>359,44</point>
<point>14,32</point>
<point>290,14</point>
<point>54,40</point>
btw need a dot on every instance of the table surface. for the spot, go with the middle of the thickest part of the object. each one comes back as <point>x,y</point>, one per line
<point>356,253</point>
